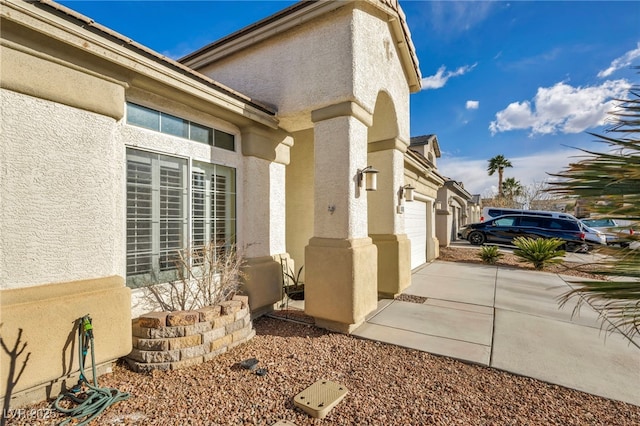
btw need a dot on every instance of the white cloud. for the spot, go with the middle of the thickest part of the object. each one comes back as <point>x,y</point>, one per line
<point>440,78</point>
<point>526,169</point>
<point>621,62</point>
<point>455,17</point>
<point>473,104</point>
<point>562,108</point>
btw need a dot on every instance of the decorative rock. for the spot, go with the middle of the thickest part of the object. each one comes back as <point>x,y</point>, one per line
<point>153,320</point>
<point>194,351</point>
<point>150,344</point>
<point>230,306</point>
<point>241,314</point>
<point>218,343</point>
<point>183,318</point>
<point>242,298</point>
<point>209,313</point>
<point>185,342</point>
<point>166,332</point>
<point>240,334</point>
<point>164,341</point>
<point>154,356</point>
<point>143,367</point>
<point>222,321</point>
<point>234,326</point>
<point>216,333</point>
<point>197,328</point>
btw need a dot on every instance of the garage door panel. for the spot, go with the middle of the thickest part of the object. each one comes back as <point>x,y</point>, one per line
<point>416,229</point>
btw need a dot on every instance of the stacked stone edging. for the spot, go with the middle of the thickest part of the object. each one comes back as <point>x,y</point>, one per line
<point>173,340</point>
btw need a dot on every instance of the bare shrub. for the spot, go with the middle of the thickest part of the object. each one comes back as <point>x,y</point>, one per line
<point>207,276</point>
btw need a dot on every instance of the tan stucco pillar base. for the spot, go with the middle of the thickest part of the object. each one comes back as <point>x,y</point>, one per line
<point>341,282</point>
<point>263,282</point>
<point>433,249</point>
<point>47,316</point>
<point>394,263</point>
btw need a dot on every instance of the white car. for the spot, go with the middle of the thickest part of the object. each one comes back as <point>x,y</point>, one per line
<point>593,236</point>
<point>614,229</point>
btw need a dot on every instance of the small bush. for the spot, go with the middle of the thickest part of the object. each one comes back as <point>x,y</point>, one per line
<point>207,276</point>
<point>539,251</point>
<point>490,254</point>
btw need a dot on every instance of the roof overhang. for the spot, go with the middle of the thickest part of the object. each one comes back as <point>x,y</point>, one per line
<point>301,13</point>
<point>73,29</point>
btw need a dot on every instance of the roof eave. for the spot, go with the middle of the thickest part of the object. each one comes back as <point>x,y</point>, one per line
<point>80,27</point>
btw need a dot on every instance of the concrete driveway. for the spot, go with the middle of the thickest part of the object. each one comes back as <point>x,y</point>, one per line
<point>509,319</point>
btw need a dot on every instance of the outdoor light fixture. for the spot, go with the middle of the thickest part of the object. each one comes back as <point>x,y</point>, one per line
<point>407,192</point>
<point>370,176</point>
<point>438,205</point>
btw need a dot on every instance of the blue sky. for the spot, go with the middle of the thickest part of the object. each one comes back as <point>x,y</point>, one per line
<point>523,79</point>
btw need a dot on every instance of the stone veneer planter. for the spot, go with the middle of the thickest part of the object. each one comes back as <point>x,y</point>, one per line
<point>173,340</point>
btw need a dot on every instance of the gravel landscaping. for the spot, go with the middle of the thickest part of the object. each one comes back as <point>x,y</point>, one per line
<point>388,385</point>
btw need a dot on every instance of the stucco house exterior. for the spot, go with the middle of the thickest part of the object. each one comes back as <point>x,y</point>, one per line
<point>454,206</point>
<point>114,156</point>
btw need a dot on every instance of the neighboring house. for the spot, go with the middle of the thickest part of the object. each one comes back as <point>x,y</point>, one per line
<point>458,207</point>
<point>114,156</point>
<point>421,171</point>
<point>450,208</point>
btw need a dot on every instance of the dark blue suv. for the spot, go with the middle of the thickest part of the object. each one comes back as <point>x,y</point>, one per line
<point>504,229</point>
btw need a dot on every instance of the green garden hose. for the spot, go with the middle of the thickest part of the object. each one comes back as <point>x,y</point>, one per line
<point>96,399</point>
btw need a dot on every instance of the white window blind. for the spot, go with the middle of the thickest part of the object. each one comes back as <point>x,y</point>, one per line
<point>159,220</point>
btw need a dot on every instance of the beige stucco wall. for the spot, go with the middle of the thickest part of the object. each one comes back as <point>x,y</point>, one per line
<point>62,211</point>
<point>62,236</point>
<point>300,193</point>
<point>296,70</point>
<point>44,318</point>
<point>377,68</point>
<point>344,55</point>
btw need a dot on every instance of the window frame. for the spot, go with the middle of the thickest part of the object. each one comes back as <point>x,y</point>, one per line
<point>157,274</point>
<point>188,125</point>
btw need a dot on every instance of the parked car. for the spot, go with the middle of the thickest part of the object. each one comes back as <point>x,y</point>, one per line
<point>504,229</point>
<point>594,237</point>
<point>615,230</point>
<point>489,213</point>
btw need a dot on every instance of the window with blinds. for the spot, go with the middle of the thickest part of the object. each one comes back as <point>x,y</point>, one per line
<point>165,215</point>
<point>213,204</point>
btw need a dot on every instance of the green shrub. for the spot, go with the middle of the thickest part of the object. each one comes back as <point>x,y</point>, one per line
<point>539,251</point>
<point>490,254</point>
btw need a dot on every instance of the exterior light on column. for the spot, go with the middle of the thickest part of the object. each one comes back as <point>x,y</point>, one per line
<point>407,192</point>
<point>438,205</point>
<point>370,175</point>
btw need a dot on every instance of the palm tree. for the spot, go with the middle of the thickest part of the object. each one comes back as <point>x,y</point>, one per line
<point>512,188</point>
<point>613,177</point>
<point>498,163</point>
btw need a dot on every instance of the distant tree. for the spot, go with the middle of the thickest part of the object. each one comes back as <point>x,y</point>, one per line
<point>536,196</point>
<point>498,164</point>
<point>512,189</point>
<point>613,179</point>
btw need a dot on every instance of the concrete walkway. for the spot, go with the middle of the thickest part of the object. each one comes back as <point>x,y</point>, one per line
<point>509,319</point>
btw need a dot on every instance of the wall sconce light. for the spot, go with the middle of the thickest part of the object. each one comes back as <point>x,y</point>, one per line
<point>407,192</point>
<point>370,176</point>
<point>438,205</point>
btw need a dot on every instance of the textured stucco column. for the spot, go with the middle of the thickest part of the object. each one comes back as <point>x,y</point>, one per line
<point>266,155</point>
<point>443,227</point>
<point>341,260</point>
<point>386,217</point>
<point>433,245</point>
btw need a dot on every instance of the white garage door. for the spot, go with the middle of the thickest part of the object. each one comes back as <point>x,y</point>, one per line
<point>415,216</point>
